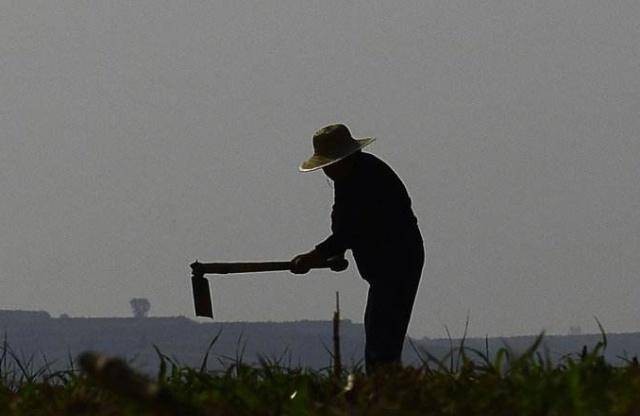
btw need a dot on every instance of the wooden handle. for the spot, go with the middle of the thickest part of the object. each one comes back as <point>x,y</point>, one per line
<point>199,269</point>
<point>246,267</point>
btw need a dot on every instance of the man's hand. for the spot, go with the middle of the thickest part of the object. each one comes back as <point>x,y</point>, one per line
<point>302,263</point>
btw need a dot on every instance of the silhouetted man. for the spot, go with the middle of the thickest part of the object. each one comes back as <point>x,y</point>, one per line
<point>372,216</point>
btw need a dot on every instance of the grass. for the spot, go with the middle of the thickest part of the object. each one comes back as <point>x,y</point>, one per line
<point>465,382</point>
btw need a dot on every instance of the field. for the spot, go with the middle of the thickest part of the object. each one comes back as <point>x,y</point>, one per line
<point>465,382</point>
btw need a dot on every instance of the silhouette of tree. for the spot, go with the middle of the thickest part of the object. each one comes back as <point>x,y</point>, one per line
<point>140,307</point>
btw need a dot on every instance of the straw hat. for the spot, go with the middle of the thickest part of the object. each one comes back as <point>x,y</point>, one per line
<point>331,144</point>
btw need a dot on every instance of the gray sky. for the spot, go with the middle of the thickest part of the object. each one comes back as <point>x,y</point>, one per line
<point>138,136</point>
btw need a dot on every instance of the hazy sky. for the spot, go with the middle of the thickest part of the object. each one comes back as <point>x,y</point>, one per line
<point>137,136</point>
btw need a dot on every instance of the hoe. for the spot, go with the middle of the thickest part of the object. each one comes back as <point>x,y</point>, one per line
<point>202,293</point>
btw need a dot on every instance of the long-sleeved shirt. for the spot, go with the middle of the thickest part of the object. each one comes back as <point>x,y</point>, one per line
<point>371,213</point>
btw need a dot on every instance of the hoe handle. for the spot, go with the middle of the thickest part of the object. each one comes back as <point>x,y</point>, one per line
<point>336,264</point>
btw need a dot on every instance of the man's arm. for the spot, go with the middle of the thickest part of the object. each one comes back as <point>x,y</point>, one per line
<point>338,242</point>
<point>334,245</point>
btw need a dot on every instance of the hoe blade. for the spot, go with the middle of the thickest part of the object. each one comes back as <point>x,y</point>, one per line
<point>202,296</point>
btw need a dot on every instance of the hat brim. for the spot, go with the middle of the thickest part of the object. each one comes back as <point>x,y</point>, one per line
<point>318,161</point>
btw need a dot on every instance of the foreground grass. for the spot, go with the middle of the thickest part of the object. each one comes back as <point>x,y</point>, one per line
<point>466,382</point>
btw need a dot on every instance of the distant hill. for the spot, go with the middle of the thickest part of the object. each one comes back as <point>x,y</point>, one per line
<point>299,343</point>
<point>32,335</point>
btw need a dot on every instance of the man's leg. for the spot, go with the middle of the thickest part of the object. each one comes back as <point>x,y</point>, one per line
<point>388,312</point>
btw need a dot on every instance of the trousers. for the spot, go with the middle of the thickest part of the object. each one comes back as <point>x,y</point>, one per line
<point>393,285</point>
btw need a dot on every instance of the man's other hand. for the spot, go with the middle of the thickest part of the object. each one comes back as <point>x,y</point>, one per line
<point>302,263</point>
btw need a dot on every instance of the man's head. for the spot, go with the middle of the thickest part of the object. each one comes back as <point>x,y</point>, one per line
<point>342,168</point>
